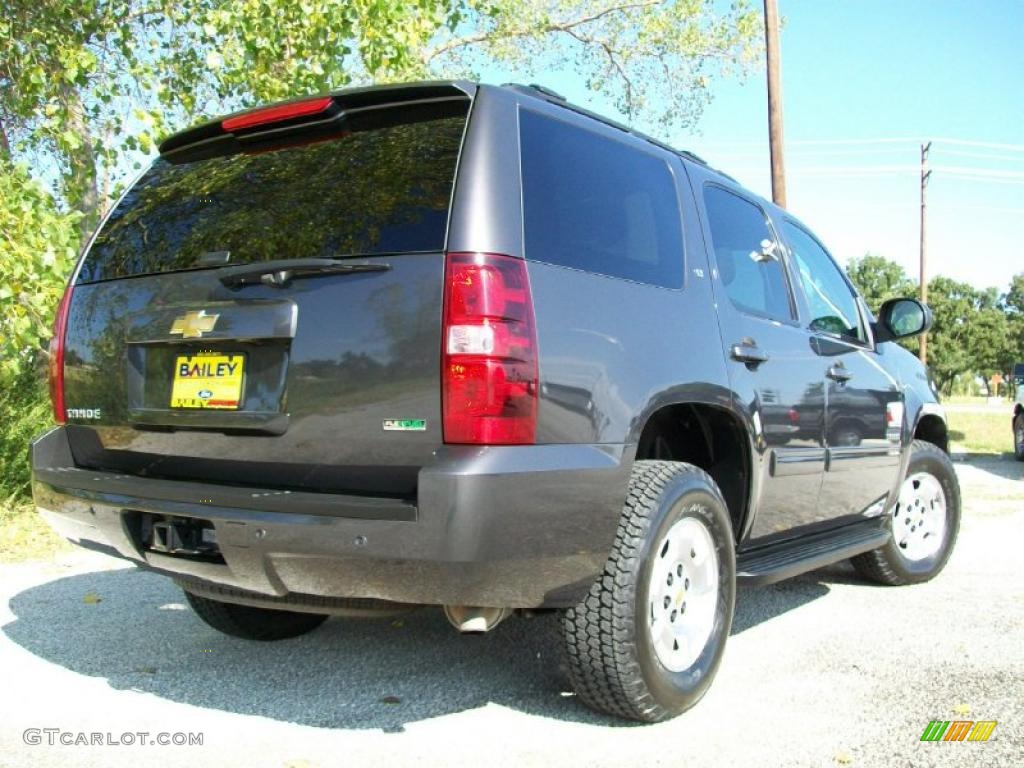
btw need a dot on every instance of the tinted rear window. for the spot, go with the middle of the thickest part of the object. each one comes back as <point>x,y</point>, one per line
<point>598,204</point>
<point>383,189</point>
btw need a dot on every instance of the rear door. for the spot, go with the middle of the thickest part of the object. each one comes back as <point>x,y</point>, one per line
<point>864,403</point>
<point>264,304</point>
<point>773,367</point>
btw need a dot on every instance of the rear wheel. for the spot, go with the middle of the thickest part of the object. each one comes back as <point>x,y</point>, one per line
<point>925,520</point>
<point>253,623</point>
<point>1018,436</point>
<point>647,640</point>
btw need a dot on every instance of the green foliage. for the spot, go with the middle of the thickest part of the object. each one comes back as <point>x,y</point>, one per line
<point>879,279</point>
<point>37,250</point>
<point>976,331</point>
<point>24,414</point>
<point>86,85</point>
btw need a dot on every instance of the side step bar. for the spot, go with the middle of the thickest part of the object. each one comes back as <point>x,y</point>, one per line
<point>775,562</point>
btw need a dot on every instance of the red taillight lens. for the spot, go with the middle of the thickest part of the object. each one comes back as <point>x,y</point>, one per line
<point>60,326</point>
<point>489,374</point>
<point>277,114</point>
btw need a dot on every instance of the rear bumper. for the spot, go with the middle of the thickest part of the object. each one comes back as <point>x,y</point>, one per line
<point>522,527</point>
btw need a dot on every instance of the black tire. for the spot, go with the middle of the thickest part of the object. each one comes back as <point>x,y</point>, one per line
<point>252,623</point>
<point>887,564</point>
<point>1018,436</point>
<point>612,662</point>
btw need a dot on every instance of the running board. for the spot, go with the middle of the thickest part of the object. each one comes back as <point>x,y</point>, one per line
<point>776,562</point>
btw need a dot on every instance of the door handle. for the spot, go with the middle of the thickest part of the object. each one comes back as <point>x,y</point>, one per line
<point>748,352</point>
<point>839,373</point>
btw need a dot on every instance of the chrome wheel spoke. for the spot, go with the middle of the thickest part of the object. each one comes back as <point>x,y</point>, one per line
<point>919,518</point>
<point>683,593</point>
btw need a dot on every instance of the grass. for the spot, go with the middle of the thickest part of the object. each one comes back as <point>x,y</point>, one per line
<point>965,400</point>
<point>24,535</point>
<point>980,432</point>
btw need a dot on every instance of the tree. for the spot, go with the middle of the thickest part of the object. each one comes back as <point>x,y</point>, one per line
<point>1013,303</point>
<point>975,331</point>
<point>85,83</point>
<point>879,279</point>
<point>971,333</point>
<point>37,250</point>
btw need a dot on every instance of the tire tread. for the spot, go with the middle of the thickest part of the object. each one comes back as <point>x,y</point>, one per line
<point>600,633</point>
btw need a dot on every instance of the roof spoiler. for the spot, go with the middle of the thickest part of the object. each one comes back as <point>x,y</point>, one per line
<point>222,134</point>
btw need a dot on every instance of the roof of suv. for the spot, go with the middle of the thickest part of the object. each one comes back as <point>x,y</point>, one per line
<point>378,95</point>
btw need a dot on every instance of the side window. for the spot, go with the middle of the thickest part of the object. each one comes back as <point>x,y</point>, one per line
<point>597,204</point>
<point>754,281</point>
<point>832,303</point>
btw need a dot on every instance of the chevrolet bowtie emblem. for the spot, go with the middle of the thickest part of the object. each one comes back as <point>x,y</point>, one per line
<point>192,325</point>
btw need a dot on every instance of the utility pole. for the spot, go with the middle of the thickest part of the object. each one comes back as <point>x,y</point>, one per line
<point>925,175</point>
<point>771,40</point>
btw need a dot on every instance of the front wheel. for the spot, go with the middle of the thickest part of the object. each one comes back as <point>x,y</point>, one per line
<point>1018,436</point>
<point>924,521</point>
<point>647,640</point>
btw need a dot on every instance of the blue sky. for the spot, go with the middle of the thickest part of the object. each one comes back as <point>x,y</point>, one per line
<point>865,73</point>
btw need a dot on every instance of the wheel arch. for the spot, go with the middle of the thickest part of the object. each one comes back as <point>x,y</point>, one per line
<point>931,427</point>
<point>711,436</point>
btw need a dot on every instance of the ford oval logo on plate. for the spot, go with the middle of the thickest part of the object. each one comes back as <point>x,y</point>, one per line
<point>205,394</point>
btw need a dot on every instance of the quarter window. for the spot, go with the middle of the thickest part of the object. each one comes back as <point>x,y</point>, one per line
<point>598,204</point>
<point>832,303</point>
<point>748,261</point>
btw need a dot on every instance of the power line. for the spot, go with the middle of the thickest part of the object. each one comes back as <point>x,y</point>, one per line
<point>876,141</point>
<point>987,172</point>
<point>980,155</point>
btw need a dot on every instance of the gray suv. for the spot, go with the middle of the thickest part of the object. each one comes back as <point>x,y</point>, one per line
<point>468,346</point>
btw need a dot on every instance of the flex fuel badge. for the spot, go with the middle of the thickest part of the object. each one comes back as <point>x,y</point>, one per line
<point>405,425</point>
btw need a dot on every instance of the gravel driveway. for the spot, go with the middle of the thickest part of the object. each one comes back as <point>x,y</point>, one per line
<point>823,670</point>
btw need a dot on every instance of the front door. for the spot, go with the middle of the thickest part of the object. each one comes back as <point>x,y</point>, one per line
<point>774,369</point>
<point>863,403</point>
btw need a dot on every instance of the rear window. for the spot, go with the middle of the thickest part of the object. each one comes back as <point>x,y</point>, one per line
<point>598,204</point>
<point>382,186</point>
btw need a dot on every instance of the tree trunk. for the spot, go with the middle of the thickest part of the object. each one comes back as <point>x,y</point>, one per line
<point>80,183</point>
<point>5,144</point>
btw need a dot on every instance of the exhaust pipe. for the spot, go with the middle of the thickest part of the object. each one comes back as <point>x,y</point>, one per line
<point>471,619</point>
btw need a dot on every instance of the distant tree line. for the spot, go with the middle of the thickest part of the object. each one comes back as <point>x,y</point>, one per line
<point>977,331</point>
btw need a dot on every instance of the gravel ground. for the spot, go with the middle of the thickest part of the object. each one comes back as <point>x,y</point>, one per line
<point>823,670</point>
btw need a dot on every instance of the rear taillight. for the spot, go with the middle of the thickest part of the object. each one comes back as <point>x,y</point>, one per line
<point>489,361</point>
<point>60,326</point>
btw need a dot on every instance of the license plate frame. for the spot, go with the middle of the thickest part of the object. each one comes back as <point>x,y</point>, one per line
<point>208,380</point>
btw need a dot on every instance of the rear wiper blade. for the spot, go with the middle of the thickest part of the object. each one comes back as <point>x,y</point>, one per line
<point>279,273</point>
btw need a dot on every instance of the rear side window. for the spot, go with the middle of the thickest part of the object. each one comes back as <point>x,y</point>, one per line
<point>597,204</point>
<point>754,280</point>
<point>383,186</point>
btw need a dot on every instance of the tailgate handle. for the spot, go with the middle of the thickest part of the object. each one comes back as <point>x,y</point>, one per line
<point>279,273</point>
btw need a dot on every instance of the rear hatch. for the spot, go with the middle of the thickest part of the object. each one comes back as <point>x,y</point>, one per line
<point>263,307</point>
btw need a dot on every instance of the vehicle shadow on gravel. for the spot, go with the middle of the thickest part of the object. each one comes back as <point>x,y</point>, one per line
<point>133,628</point>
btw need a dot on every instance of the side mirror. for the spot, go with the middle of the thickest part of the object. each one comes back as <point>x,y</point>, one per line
<point>900,318</point>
